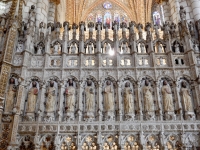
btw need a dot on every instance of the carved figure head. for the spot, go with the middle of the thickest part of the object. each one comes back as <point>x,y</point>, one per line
<point>184,84</point>
<point>164,82</point>
<point>34,84</point>
<point>127,84</point>
<point>108,82</point>
<point>70,82</point>
<point>32,7</point>
<point>89,82</point>
<point>51,83</point>
<point>12,81</point>
<point>146,83</point>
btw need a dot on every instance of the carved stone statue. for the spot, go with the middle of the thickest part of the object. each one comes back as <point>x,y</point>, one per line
<point>182,13</point>
<point>167,97</point>
<point>32,98</point>
<point>73,48</point>
<point>124,48</point>
<point>191,29</point>
<point>128,99</point>
<point>109,97</point>
<point>160,48</point>
<point>177,48</point>
<point>107,48</point>
<point>173,30</point>
<point>70,92</point>
<point>51,97</point>
<point>89,92</point>
<point>57,48</point>
<point>32,15</point>
<point>148,97</point>
<point>196,48</point>
<point>20,46</point>
<point>10,95</point>
<point>40,48</point>
<point>142,47</point>
<point>187,101</point>
<point>90,48</point>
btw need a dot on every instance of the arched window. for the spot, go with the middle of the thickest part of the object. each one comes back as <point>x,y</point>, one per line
<point>99,18</point>
<point>108,18</point>
<point>156,18</point>
<point>117,17</point>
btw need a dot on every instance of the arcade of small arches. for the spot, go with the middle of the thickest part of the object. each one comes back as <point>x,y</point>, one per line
<point>140,91</point>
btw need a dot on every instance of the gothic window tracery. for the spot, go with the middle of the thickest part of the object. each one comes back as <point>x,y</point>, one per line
<point>73,62</point>
<point>107,62</point>
<point>161,61</point>
<point>143,61</point>
<point>89,62</point>
<point>141,48</point>
<point>177,47</point>
<point>73,48</point>
<point>108,19</point>
<point>56,48</point>
<point>125,62</point>
<point>157,18</point>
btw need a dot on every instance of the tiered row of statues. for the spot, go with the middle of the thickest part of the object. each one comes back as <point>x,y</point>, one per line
<point>117,100</point>
<point>126,92</point>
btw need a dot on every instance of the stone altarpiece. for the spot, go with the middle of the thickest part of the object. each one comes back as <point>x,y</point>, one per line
<point>120,93</point>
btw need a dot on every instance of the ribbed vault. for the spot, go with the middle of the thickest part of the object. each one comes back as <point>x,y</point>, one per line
<point>137,10</point>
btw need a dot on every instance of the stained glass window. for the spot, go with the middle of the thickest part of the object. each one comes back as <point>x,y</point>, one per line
<point>107,5</point>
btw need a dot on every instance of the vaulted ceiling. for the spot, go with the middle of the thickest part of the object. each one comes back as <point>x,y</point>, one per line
<point>137,10</point>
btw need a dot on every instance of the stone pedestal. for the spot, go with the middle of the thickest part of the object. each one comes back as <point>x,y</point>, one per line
<point>170,116</point>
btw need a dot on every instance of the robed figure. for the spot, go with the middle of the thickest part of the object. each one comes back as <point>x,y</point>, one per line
<point>12,89</point>
<point>109,97</point>
<point>167,97</point>
<point>32,98</point>
<point>89,96</point>
<point>70,93</point>
<point>148,97</point>
<point>128,99</point>
<point>51,98</point>
<point>187,101</point>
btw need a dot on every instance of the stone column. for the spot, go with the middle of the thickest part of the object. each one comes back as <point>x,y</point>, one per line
<point>119,99</point>
<point>100,99</point>
<point>41,103</point>
<point>177,97</point>
<point>98,37</point>
<point>138,97</point>
<point>61,101</point>
<point>13,140</point>
<point>80,104</point>
<point>196,89</point>
<point>51,12</point>
<point>195,6</point>
<point>159,101</point>
<point>7,55</point>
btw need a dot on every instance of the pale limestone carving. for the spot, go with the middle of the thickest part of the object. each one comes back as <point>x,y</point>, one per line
<point>177,47</point>
<point>90,48</point>
<point>148,97</point>
<point>167,97</point>
<point>128,99</point>
<point>10,95</point>
<point>109,97</point>
<point>51,97</point>
<point>142,48</point>
<point>70,92</point>
<point>32,98</point>
<point>186,95</point>
<point>89,92</point>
